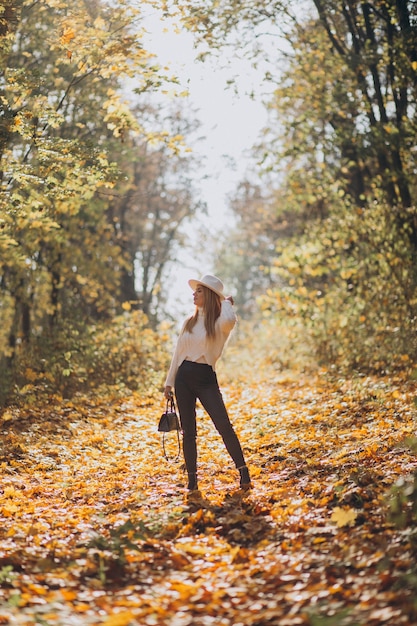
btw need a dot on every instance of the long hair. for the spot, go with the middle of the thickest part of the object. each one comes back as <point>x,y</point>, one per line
<point>212,310</point>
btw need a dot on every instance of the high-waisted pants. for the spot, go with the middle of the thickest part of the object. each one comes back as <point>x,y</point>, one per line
<point>199,381</point>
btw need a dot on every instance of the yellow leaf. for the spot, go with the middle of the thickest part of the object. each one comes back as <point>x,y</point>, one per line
<point>343,517</point>
<point>9,509</point>
<point>67,36</point>
<point>7,416</point>
<point>31,374</point>
<point>119,619</point>
<point>37,589</point>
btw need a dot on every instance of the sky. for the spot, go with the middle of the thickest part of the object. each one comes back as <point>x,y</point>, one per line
<point>231,124</point>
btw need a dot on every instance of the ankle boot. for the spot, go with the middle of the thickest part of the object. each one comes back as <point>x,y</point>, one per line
<point>245,482</point>
<point>192,482</point>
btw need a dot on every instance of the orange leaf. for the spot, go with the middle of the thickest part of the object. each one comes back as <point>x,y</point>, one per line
<point>119,619</point>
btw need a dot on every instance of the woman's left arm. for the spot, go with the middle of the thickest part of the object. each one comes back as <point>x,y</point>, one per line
<point>227,318</point>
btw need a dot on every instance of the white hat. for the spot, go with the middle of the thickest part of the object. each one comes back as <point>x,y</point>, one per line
<point>212,282</point>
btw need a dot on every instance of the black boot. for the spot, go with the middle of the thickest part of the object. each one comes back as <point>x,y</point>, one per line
<point>245,482</point>
<point>192,482</point>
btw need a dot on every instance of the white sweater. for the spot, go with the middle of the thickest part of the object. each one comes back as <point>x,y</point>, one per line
<point>192,346</point>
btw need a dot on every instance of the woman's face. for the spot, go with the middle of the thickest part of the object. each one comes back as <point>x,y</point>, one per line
<point>199,296</point>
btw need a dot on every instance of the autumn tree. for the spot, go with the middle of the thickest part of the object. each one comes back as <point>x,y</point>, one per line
<point>244,257</point>
<point>350,167</point>
<point>342,131</point>
<point>150,208</point>
<point>66,119</point>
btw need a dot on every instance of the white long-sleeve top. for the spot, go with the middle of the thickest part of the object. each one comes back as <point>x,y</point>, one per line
<point>193,346</point>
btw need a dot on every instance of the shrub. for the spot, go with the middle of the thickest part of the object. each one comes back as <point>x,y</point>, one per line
<point>351,280</point>
<point>123,353</point>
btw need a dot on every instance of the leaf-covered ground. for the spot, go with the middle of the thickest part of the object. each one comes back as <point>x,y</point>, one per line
<point>96,527</point>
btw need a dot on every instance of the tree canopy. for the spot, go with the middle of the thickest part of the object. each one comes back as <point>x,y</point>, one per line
<point>88,169</point>
<point>339,153</point>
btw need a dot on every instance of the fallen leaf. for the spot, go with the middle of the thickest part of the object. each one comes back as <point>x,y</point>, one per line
<point>344,517</point>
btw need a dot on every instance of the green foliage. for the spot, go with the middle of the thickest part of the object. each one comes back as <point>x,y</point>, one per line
<point>110,551</point>
<point>214,23</point>
<point>403,502</point>
<point>58,252</point>
<point>341,618</point>
<point>402,512</point>
<point>351,280</point>
<point>7,575</point>
<point>119,354</point>
<point>403,498</point>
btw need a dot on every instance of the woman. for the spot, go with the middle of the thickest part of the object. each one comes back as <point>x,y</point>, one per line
<point>192,373</point>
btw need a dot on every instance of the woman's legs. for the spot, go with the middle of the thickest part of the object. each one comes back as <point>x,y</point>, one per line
<point>196,380</point>
<point>186,400</point>
<point>212,401</point>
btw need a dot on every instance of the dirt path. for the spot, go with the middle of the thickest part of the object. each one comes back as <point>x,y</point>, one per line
<point>96,528</point>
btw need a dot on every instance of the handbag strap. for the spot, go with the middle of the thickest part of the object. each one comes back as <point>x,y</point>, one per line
<point>167,458</point>
<point>170,408</point>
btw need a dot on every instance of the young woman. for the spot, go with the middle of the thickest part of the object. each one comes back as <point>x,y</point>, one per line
<point>192,373</point>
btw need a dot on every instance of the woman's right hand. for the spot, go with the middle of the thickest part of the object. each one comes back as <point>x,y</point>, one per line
<point>168,392</point>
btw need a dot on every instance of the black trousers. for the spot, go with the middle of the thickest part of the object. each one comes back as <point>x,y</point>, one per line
<point>199,381</point>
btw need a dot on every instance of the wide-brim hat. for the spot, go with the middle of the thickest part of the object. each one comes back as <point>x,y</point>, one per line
<point>210,281</point>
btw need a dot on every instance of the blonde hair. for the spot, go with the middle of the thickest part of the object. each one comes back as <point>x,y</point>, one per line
<point>212,310</point>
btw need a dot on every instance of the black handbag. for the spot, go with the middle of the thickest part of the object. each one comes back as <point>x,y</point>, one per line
<point>169,422</point>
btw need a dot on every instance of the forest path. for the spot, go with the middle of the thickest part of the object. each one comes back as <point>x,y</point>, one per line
<point>96,527</point>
